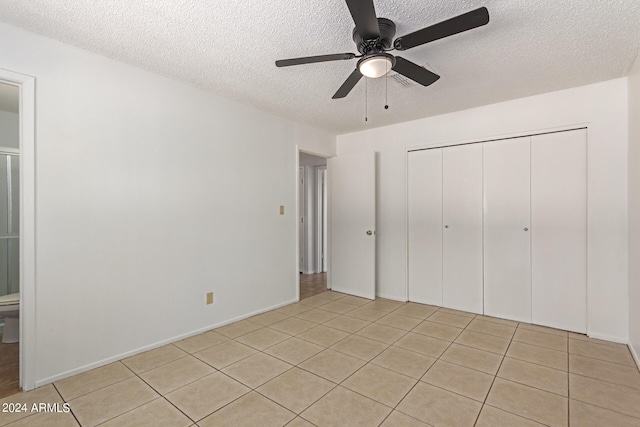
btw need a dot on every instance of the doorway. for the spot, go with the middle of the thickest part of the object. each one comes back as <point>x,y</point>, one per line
<point>312,223</point>
<point>20,89</point>
<point>9,229</point>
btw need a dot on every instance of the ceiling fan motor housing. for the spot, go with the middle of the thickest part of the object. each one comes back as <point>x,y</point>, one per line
<point>387,32</point>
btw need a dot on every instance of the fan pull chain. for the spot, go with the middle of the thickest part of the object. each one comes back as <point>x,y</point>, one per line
<point>366,98</point>
<point>386,89</point>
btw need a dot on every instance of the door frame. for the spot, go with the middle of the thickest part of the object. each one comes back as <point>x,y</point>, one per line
<point>299,238</point>
<point>321,218</point>
<point>303,263</point>
<point>26,117</point>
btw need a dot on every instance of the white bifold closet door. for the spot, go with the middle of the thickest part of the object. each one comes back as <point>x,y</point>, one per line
<point>559,230</point>
<point>462,233</point>
<point>425,226</point>
<point>507,243</point>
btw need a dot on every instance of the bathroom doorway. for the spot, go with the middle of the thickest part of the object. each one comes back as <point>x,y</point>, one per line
<point>9,227</point>
<point>23,223</point>
<point>312,222</point>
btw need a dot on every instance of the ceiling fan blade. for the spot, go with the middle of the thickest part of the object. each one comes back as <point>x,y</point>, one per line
<point>348,84</point>
<point>415,72</point>
<point>313,59</point>
<point>364,16</point>
<point>466,21</point>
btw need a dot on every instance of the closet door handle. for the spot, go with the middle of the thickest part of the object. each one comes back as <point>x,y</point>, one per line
<point>526,229</point>
<point>446,226</point>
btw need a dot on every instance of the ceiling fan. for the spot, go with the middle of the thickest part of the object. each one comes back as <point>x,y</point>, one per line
<point>373,38</point>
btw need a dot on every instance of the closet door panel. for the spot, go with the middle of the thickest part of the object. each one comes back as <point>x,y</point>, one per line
<point>507,244</point>
<point>559,230</point>
<point>462,233</point>
<point>425,226</point>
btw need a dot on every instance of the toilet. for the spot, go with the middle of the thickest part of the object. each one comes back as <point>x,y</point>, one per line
<point>10,310</point>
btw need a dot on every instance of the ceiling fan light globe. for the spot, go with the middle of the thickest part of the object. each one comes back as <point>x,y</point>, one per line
<point>376,66</point>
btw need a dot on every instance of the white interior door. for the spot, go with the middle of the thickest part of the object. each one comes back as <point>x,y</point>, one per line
<point>559,230</point>
<point>425,226</point>
<point>352,196</point>
<point>462,234</point>
<point>507,243</point>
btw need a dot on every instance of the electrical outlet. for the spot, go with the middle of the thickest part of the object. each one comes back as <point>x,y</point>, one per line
<point>209,297</point>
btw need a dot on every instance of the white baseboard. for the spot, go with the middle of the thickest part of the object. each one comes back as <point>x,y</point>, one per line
<point>391,297</point>
<point>634,354</point>
<point>115,358</point>
<point>612,338</point>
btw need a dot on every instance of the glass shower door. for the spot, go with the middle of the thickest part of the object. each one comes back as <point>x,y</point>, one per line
<point>9,223</point>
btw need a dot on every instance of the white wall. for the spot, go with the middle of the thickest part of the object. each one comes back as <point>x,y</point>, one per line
<point>147,197</point>
<point>602,107</point>
<point>9,129</point>
<point>634,210</point>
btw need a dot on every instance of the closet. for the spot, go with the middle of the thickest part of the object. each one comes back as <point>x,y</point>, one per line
<point>499,228</point>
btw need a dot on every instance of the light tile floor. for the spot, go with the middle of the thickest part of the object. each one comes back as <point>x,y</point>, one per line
<point>338,360</point>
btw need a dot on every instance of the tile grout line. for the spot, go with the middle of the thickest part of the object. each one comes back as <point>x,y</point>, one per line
<point>605,381</point>
<point>602,360</point>
<point>534,363</point>
<point>504,355</point>
<point>139,406</point>
<point>484,403</point>
<point>290,410</point>
<point>159,366</point>
<point>606,409</point>
<point>584,338</point>
<point>231,401</point>
<point>101,388</point>
<point>395,408</point>
<point>228,403</point>
<point>513,413</point>
<point>533,387</point>
<point>223,373</point>
<point>65,401</point>
<point>357,370</point>
<point>335,385</point>
<point>279,375</point>
<point>530,386</point>
<point>163,396</point>
<point>486,396</point>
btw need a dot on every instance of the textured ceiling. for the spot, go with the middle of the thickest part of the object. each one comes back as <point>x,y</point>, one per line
<point>229,48</point>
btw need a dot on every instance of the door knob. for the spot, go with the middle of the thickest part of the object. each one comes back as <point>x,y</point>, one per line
<point>369,232</point>
<point>526,229</point>
<point>446,226</point>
